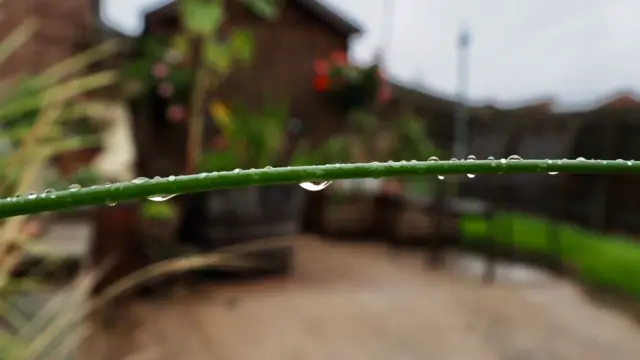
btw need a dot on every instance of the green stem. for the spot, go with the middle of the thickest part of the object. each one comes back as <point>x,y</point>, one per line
<point>109,194</point>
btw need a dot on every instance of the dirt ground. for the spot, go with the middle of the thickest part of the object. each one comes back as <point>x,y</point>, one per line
<point>354,301</point>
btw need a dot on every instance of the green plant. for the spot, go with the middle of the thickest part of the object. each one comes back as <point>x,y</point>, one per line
<point>351,86</point>
<point>246,138</point>
<point>213,56</point>
<point>35,112</point>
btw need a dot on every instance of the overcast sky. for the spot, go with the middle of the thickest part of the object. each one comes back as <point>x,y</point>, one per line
<point>576,51</point>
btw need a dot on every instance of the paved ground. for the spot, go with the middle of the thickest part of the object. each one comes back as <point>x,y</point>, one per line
<point>349,302</point>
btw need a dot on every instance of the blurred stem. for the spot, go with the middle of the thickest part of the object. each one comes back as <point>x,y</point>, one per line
<point>44,121</point>
<point>79,62</point>
<point>197,101</point>
<point>17,38</point>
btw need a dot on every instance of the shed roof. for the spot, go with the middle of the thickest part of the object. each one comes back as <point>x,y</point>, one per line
<point>317,7</point>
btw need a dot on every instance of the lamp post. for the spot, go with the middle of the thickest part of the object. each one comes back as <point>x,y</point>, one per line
<point>461,117</point>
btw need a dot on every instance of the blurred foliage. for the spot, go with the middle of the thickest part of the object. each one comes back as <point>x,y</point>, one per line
<point>247,138</point>
<point>158,210</point>
<point>40,115</point>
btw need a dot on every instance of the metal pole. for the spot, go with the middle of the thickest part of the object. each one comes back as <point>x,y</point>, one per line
<point>386,27</point>
<point>461,120</point>
<point>459,149</point>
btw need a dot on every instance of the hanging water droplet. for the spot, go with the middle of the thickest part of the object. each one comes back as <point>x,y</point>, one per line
<point>140,180</point>
<point>471,158</point>
<point>514,158</point>
<point>553,173</point>
<point>74,187</point>
<point>315,187</point>
<point>160,197</point>
<point>435,159</point>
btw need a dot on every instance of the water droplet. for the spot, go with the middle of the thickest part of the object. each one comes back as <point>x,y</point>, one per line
<point>268,167</point>
<point>160,197</point>
<point>471,158</point>
<point>74,187</point>
<point>315,187</point>
<point>514,158</point>
<point>139,180</point>
<point>435,159</point>
<point>581,159</point>
<point>629,163</point>
<point>491,158</point>
<point>553,173</point>
<point>32,195</point>
<point>235,171</point>
<point>49,193</point>
<point>503,160</point>
<point>171,178</point>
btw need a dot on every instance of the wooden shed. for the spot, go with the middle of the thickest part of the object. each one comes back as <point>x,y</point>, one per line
<point>282,66</point>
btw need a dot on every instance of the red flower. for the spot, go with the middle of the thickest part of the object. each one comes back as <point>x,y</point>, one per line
<point>165,89</point>
<point>160,71</point>
<point>321,83</point>
<point>176,113</point>
<point>321,66</point>
<point>384,93</point>
<point>339,58</point>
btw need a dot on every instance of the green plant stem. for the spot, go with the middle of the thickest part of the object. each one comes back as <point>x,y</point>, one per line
<point>125,191</point>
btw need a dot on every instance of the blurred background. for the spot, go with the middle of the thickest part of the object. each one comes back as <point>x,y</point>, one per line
<point>96,92</point>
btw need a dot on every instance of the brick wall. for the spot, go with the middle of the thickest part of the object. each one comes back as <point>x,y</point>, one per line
<point>63,24</point>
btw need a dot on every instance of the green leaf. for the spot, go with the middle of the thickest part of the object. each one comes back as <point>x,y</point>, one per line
<point>201,17</point>
<point>241,45</point>
<point>217,56</point>
<point>181,44</point>
<point>266,9</point>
